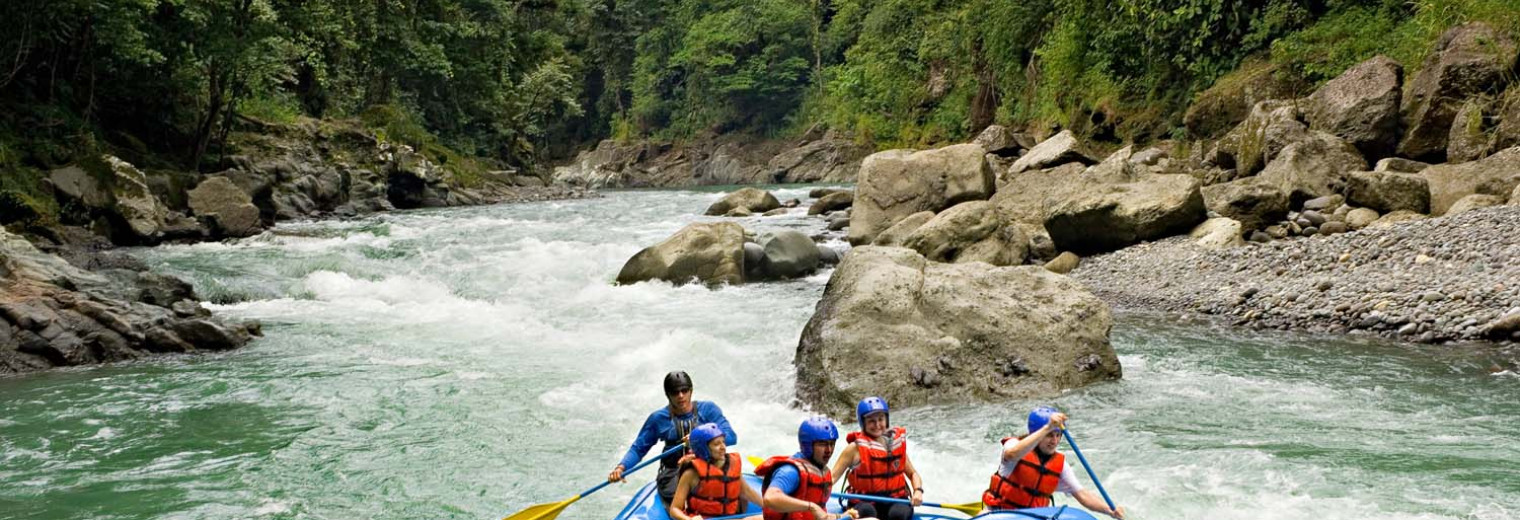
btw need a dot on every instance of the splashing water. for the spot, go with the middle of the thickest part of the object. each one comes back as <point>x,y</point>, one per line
<point>467,363</point>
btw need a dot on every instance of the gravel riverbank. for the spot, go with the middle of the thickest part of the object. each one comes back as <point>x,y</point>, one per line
<point>1434,281</point>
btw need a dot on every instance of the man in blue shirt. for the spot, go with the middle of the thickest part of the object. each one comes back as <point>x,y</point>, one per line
<point>671,425</point>
<point>797,487</point>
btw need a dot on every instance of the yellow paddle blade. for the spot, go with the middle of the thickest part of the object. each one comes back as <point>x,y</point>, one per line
<point>754,461</point>
<point>544,511</point>
<point>970,508</point>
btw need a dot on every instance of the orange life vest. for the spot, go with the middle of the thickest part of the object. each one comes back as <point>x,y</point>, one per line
<point>717,492</point>
<point>813,487</point>
<point>882,468</point>
<point>1032,483</point>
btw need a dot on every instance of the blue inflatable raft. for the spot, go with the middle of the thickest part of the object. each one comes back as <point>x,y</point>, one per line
<point>646,505</point>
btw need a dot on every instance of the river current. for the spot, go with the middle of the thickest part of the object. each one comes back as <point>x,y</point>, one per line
<point>470,362</point>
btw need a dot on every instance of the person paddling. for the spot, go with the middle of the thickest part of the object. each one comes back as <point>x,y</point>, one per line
<point>712,483</point>
<point>1031,471</point>
<point>797,487</point>
<point>672,424</point>
<point>876,463</point>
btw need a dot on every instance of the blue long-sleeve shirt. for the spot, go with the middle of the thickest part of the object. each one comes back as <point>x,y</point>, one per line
<point>660,426</point>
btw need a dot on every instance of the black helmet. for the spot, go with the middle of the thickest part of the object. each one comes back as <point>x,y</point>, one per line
<point>677,381</point>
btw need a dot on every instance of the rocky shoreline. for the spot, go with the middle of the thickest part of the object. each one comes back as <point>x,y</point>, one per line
<point>68,298</point>
<point>1438,280</point>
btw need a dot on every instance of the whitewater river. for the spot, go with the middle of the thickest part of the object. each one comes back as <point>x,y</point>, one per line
<point>467,363</point>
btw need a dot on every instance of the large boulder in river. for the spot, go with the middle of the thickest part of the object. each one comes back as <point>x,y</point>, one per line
<point>897,183</point>
<point>789,254</point>
<point>1313,167</point>
<point>230,210</point>
<point>1469,59</point>
<point>1388,191</point>
<point>834,201</point>
<point>1255,204</point>
<point>1361,106</point>
<point>1061,149</point>
<point>1106,217</point>
<point>707,252</point>
<point>970,232</point>
<point>1496,174</point>
<point>894,324</point>
<point>755,200</point>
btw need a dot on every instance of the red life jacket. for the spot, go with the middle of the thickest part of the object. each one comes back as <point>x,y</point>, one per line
<point>717,492</point>
<point>882,468</point>
<point>1032,483</point>
<point>814,486</point>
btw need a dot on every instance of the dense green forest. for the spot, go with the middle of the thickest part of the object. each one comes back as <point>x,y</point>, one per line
<point>519,82</point>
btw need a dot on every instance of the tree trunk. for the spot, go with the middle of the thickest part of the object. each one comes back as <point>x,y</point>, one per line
<point>984,104</point>
<point>216,91</point>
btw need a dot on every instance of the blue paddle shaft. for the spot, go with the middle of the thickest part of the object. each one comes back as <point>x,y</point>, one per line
<point>889,500</point>
<point>1089,469</point>
<point>636,467</point>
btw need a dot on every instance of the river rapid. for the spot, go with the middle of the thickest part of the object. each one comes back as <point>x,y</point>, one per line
<point>470,362</point>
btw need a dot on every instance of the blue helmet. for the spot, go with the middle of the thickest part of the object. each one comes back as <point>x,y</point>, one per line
<point>701,436</point>
<point>1039,417</point>
<point>869,406</point>
<point>814,429</point>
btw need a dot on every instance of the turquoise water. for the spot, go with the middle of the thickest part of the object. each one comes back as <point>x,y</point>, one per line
<point>467,363</point>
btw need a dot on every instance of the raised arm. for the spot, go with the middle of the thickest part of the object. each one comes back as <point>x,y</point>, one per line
<point>1026,444</point>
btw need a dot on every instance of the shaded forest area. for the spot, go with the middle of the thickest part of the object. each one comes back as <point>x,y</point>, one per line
<point>517,83</point>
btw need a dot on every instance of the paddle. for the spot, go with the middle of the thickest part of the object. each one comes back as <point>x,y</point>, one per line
<point>970,508</point>
<point>550,510</point>
<point>1089,469</point>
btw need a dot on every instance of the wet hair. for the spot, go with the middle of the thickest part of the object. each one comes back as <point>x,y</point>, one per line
<point>677,381</point>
